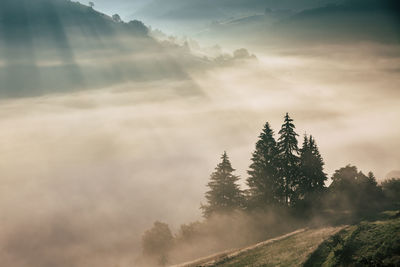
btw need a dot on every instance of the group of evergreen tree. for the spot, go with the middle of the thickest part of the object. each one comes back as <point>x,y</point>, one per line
<point>283,179</point>
<point>280,174</point>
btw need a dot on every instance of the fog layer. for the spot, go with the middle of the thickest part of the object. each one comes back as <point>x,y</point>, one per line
<point>84,173</point>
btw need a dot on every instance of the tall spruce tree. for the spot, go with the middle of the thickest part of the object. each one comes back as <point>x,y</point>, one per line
<point>313,177</point>
<point>372,179</point>
<point>319,176</point>
<point>224,194</point>
<point>289,171</point>
<point>264,186</point>
<point>306,162</point>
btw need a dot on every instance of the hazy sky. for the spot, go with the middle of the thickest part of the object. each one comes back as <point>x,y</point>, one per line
<point>122,7</point>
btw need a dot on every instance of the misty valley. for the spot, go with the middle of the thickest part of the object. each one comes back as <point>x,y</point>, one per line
<point>199,133</point>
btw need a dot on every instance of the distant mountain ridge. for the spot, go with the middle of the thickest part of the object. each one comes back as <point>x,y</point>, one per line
<point>186,16</point>
<point>26,21</point>
<point>351,20</point>
<point>336,23</point>
<point>60,45</point>
<point>211,8</point>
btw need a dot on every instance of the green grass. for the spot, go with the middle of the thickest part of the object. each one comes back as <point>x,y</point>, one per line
<point>291,251</point>
<point>375,241</point>
<point>368,243</point>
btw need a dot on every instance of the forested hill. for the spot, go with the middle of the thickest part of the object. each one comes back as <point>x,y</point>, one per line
<point>23,20</point>
<point>346,22</point>
<point>59,46</point>
<point>209,10</point>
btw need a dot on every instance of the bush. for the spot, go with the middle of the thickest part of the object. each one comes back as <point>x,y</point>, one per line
<point>157,242</point>
<point>391,189</point>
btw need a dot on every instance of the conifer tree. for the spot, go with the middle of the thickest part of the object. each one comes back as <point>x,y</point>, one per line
<point>312,169</point>
<point>372,179</point>
<point>306,162</point>
<point>319,177</point>
<point>289,160</point>
<point>224,194</point>
<point>264,186</point>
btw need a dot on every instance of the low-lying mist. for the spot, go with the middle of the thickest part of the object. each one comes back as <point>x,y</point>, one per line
<point>84,174</point>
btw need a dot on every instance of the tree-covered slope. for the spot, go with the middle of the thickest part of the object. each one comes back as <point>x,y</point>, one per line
<point>218,9</point>
<point>192,16</point>
<point>347,22</point>
<point>49,46</point>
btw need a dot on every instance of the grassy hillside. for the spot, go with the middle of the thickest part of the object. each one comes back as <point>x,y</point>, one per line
<point>288,250</point>
<point>374,242</point>
<point>291,251</point>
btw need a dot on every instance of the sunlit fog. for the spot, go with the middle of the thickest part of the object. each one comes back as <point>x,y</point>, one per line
<point>110,123</point>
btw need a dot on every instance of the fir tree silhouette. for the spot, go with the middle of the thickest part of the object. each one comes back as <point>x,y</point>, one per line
<point>224,194</point>
<point>313,178</point>
<point>288,160</point>
<point>264,185</point>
